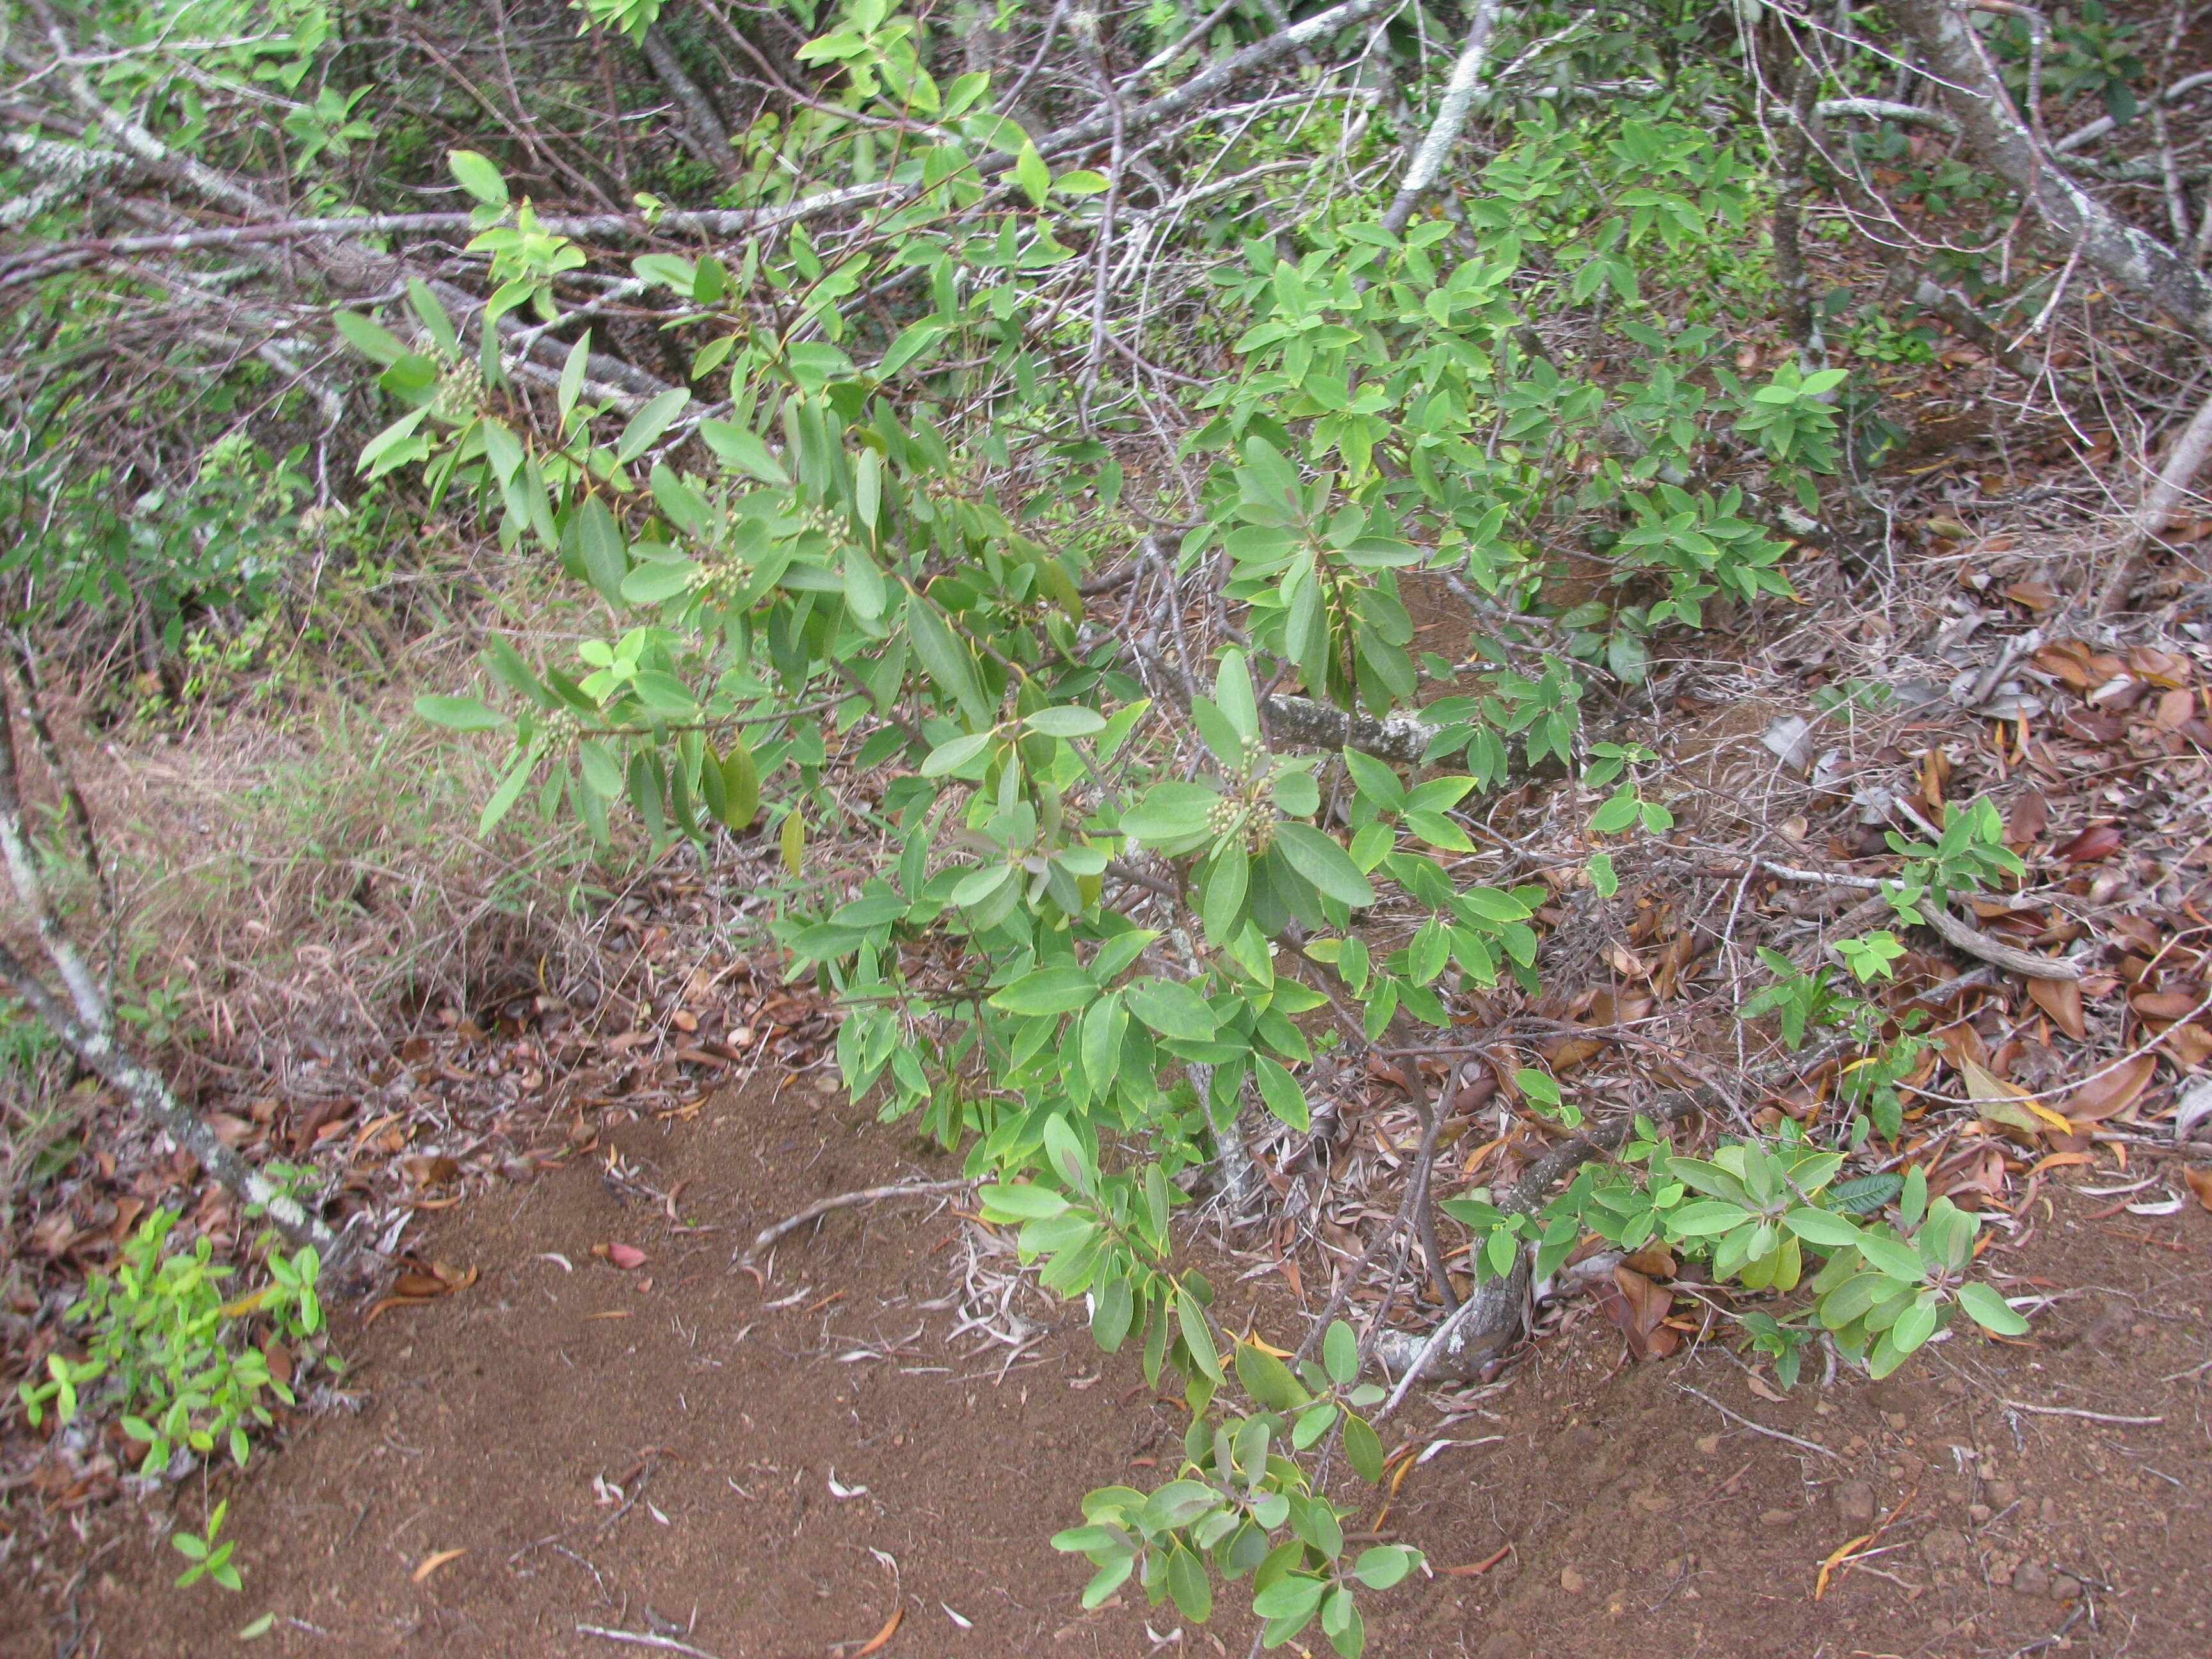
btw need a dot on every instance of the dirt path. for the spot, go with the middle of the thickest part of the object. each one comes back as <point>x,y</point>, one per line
<point>762,1474</point>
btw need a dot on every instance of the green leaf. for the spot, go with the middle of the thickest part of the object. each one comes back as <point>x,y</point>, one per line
<point>1539,1086</point>
<point>1364,1447</point>
<point>1865,1195</point>
<point>947,659</point>
<point>741,450</point>
<point>373,340</point>
<point>1268,1380</point>
<point>605,553</point>
<point>503,798</point>
<point>914,340</point>
<point>1706,1218</point>
<point>1820,1227</point>
<point>1198,1335</point>
<point>1171,1008</point>
<point>1033,175</point>
<point>1988,1309</point>
<point>949,757</point>
<point>1340,1353</point>
<point>1383,1565</point>
<point>740,785</point>
<point>1282,1094</point>
<point>1069,721</point>
<point>1291,1601</point>
<point>1188,1584</point>
<point>478,176</point>
<point>1886,1253</point>
<point>1020,1202</point>
<point>1322,862</point>
<point>460,713</point>
<point>1376,780</point>
<point>1232,695</point>
<point>1059,989</point>
<point>646,425</point>
<point>1914,1327</point>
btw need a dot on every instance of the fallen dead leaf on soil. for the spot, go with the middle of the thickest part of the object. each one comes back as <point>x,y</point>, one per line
<point>890,1628</point>
<point>2200,1182</point>
<point>627,1257</point>
<point>432,1562</point>
<point>2098,842</point>
<point>1638,1308</point>
<point>1476,1568</point>
<point>2165,1004</point>
<point>2061,999</point>
<point>2114,1093</point>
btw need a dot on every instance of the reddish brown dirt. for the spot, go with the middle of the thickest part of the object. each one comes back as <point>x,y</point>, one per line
<point>1639,1520</point>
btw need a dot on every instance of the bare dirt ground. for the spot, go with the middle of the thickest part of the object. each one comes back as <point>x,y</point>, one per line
<point>677,1452</point>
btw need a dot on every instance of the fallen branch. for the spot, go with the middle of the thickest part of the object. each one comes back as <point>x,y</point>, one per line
<point>1957,60</point>
<point>2182,463</point>
<point>87,1026</point>
<point>1758,1428</point>
<point>2073,1411</point>
<point>814,1212</point>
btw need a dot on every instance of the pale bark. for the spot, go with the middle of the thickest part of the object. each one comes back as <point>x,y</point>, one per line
<point>2129,257</point>
<point>1428,163</point>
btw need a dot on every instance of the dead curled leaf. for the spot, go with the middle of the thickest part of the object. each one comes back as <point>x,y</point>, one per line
<point>2098,842</point>
<point>1638,1308</point>
<point>2200,1182</point>
<point>432,1562</point>
<point>890,1628</point>
<point>2061,999</point>
<point>2112,1093</point>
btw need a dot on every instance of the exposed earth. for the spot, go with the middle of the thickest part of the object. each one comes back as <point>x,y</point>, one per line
<point>677,1452</point>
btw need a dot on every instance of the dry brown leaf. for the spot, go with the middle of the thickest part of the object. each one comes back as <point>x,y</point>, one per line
<point>891,1628</point>
<point>1638,1308</point>
<point>1963,1046</point>
<point>391,1302</point>
<point>2159,667</point>
<point>2099,842</point>
<point>2061,999</point>
<point>2200,1182</point>
<point>2068,660</point>
<point>2191,1045</point>
<point>432,1562</point>
<point>2112,1093</point>
<point>1765,1390</point>
<point>1473,1568</point>
<point>2025,822</point>
<point>2166,1005</point>
<point>1568,1052</point>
